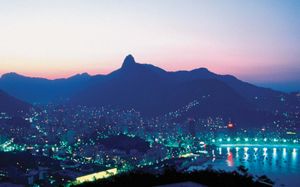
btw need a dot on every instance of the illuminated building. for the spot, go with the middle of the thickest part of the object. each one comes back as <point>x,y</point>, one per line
<point>96,176</point>
<point>230,125</point>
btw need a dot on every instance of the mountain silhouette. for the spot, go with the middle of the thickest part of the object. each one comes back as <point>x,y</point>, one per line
<point>11,105</point>
<point>40,90</point>
<point>154,91</point>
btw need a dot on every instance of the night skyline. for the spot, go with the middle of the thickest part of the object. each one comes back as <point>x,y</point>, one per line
<point>150,93</point>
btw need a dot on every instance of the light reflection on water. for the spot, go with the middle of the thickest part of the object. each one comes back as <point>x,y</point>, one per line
<point>280,164</point>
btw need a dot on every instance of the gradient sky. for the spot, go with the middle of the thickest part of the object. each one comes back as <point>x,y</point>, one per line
<point>257,40</point>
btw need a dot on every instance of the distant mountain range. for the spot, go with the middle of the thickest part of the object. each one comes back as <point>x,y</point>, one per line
<point>154,91</point>
<point>11,105</point>
<point>40,90</point>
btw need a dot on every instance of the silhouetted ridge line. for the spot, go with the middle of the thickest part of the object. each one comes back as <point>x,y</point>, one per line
<point>154,91</point>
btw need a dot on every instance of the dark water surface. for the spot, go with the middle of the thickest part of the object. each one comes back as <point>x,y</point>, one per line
<point>281,164</point>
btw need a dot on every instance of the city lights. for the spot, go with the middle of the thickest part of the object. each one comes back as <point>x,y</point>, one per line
<point>95,176</point>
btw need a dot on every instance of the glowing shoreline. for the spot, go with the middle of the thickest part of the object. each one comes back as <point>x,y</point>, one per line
<point>259,145</point>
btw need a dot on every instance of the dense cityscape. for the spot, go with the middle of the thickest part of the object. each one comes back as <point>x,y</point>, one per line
<point>137,93</point>
<point>68,142</point>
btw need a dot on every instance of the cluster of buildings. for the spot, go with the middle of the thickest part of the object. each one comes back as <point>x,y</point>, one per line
<point>70,137</point>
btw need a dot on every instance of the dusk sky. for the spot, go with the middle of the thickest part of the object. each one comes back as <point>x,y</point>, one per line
<point>257,41</point>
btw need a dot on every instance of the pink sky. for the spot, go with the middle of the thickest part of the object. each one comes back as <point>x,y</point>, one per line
<point>255,40</point>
